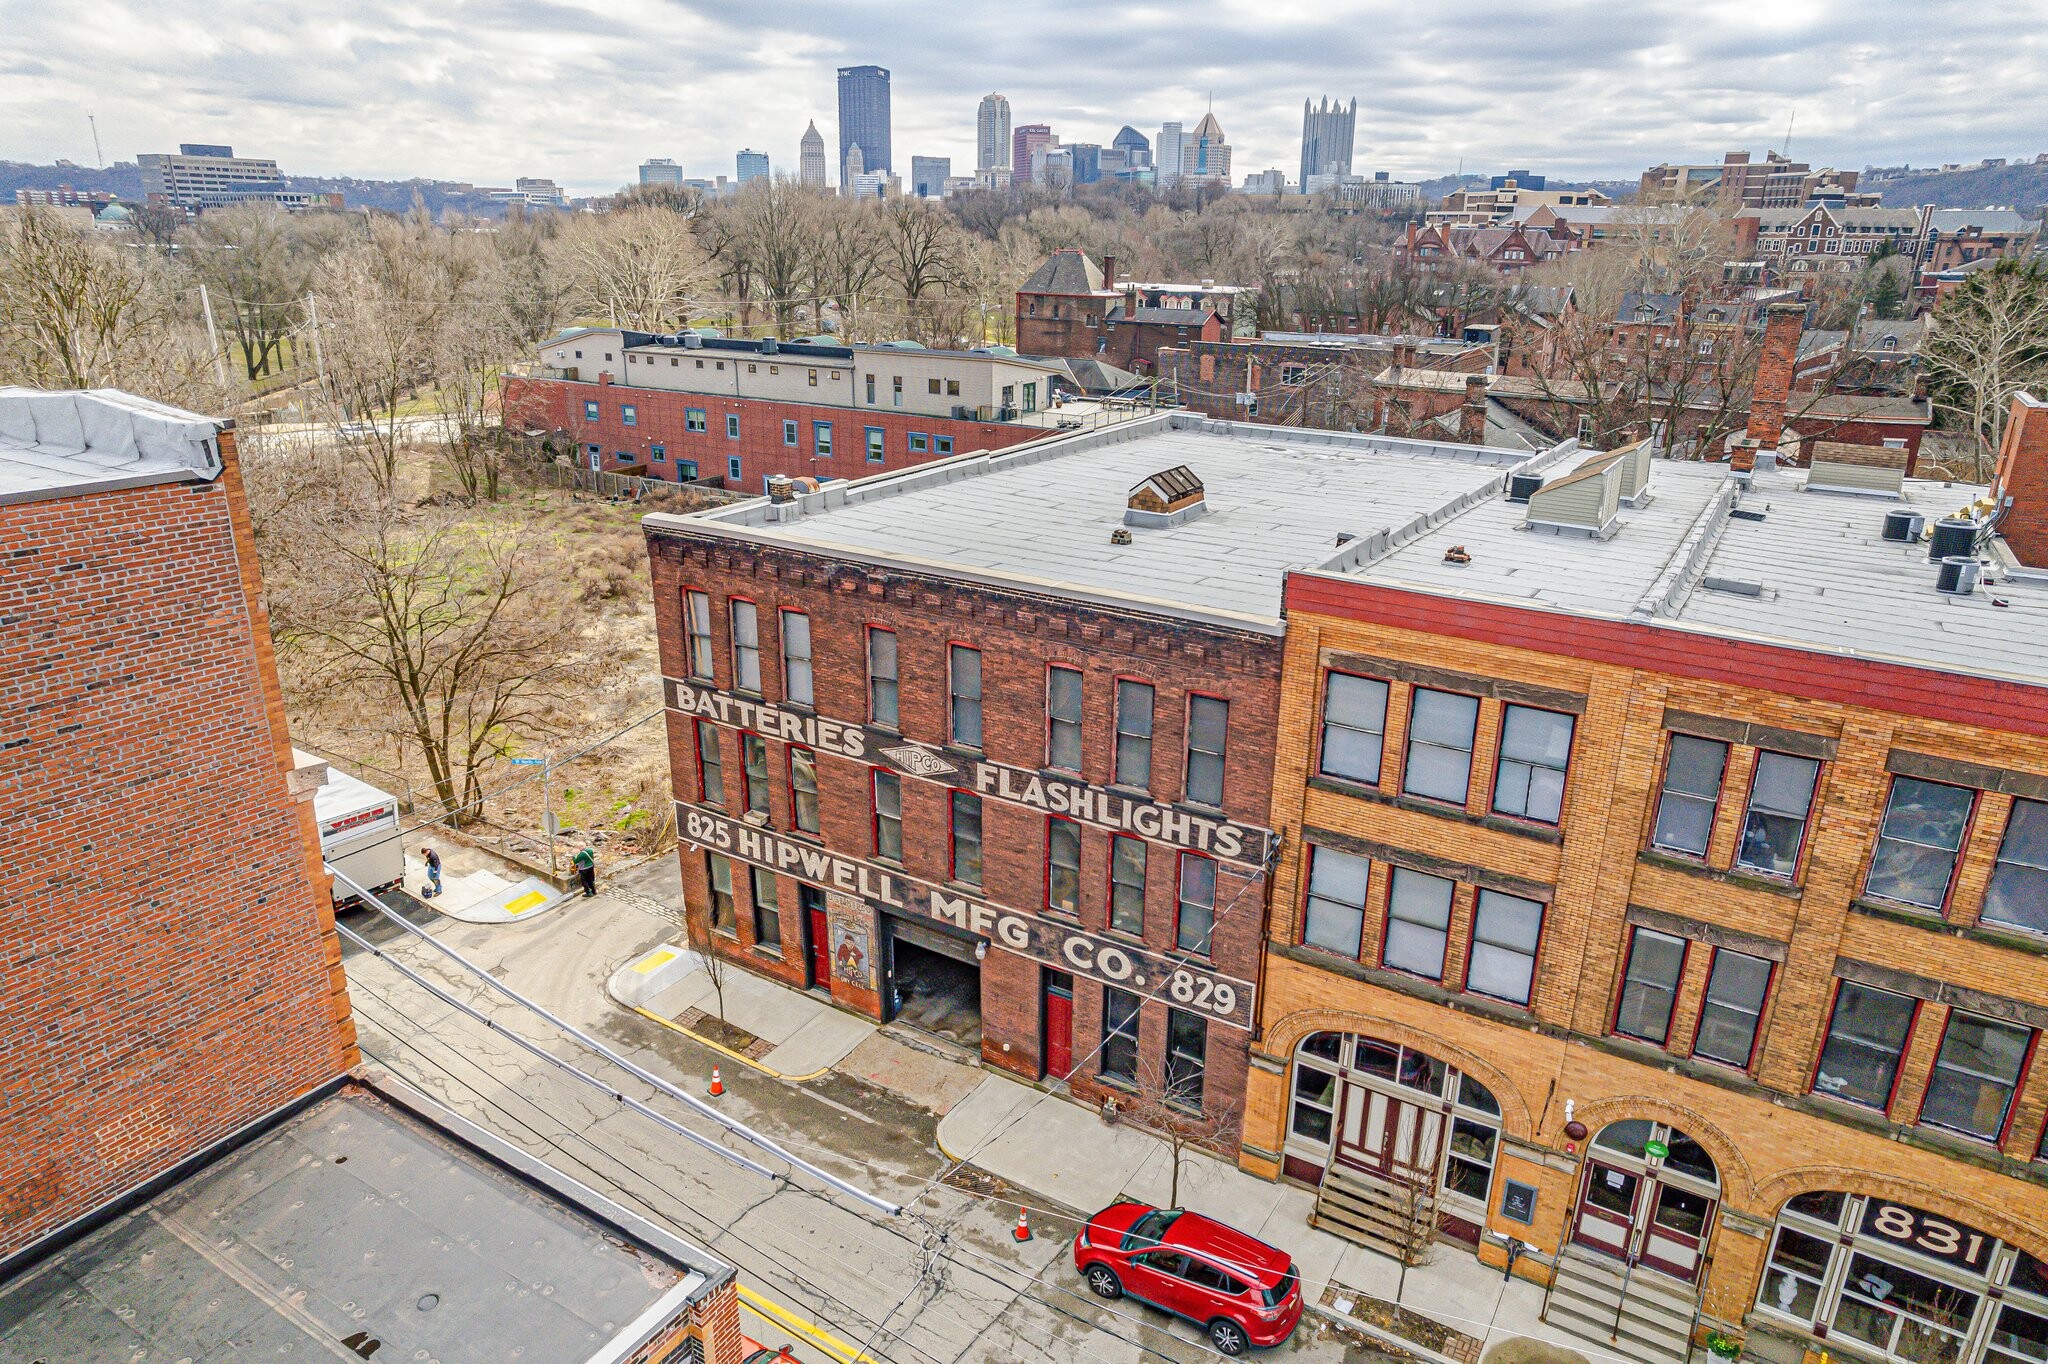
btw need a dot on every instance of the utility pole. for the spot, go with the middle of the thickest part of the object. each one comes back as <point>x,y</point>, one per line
<point>220,369</point>
<point>313,319</point>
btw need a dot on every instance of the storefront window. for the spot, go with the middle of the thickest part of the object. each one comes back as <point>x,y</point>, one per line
<point>1903,1312</point>
<point>1315,1103</point>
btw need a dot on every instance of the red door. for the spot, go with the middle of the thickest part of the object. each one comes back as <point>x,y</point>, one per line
<point>1059,1025</point>
<point>821,946</point>
<point>1607,1209</point>
<point>1679,1219</point>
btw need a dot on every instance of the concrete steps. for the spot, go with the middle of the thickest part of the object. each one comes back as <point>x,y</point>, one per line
<point>1369,1213</point>
<point>1655,1317</point>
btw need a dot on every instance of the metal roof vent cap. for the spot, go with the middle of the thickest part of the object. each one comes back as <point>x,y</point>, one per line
<point>1166,498</point>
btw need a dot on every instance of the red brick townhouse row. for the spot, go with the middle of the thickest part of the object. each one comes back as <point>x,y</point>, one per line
<point>691,406</point>
<point>989,748</point>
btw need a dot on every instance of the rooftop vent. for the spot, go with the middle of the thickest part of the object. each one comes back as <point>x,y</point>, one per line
<point>769,345</point>
<point>1837,467</point>
<point>692,341</point>
<point>1166,498</point>
<point>1586,501</point>
<point>1635,472</point>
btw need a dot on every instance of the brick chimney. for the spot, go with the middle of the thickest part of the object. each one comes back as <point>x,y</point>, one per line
<point>2020,488</point>
<point>1109,272</point>
<point>1472,416</point>
<point>1772,387</point>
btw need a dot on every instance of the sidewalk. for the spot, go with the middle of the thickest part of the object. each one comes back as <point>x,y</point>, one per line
<point>474,888</point>
<point>789,1034</point>
<point>1066,1153</point>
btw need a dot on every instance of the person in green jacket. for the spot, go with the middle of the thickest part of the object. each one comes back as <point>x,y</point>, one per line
<point>585,863</point>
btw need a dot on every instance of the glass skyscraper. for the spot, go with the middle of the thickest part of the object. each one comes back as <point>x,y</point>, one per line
<point>864,115</point>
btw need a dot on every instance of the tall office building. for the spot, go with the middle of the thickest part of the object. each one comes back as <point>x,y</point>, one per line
<point>810,162</point>
<point>1026,142</point>
<point>992,134</point>
<point>852,168</point>
<point>1135,147</point>
<point>1205,154</point>
<point>753,165</point>
<point>659,170</point>
<point>928,176</point>
<point>1166,152</point>
<point>1326,133</point>
<point>203,175</point>
<point>864,115</point>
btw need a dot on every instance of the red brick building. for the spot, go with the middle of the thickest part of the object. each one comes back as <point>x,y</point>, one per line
<point>1295,379</point>
<point>691,407</point>
<point>990,750</point>
<point>177,1029</point>
<point>1075,308</point>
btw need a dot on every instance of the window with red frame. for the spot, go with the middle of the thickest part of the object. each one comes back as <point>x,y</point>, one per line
<point>797,678</point>
<point>803,789</point>
<point>1866,1040</point>
<point>882,680</point>
<point>1919,841</point>
<point>1774,823</point>
<point>963,694</point>
<point>1133,735</point>
<point>1208,724</point>
<point>1737,985</point>
<point>1649,986</point>
<point>1062,865</point>
<point>1127,858</point>
<point>710,765</point>
<point>966,841</point>
<point>697,630</point>
<point>1195,923</point>
<point>888,808</point>
<point>746,646</point>
<point>1976,1073</point>
<point>1506,930</point>
<point>754,768</point>
<point>1063,718</point>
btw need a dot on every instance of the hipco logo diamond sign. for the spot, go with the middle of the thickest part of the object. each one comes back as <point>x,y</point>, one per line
<point>919,762</point>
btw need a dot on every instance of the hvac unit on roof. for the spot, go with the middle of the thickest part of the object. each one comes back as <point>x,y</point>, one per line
<point>692,341</point>
<point>1957,575</point>
<point>1904,525</point>
<point>1954,536</point>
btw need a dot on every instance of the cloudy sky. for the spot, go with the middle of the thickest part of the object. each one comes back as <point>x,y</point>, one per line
<point>484,90</point>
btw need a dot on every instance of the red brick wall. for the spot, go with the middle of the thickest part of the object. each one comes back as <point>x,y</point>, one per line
<point>171,971</point>
<point>1773,383</point>
<point>660,419</point>
<point>2023,476</point>
<point>1018,635</point>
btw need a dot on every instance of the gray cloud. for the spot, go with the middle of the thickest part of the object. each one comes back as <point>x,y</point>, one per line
<point>485,90</point>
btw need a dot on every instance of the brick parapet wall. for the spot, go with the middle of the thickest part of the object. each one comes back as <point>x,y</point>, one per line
<point>171,972</point>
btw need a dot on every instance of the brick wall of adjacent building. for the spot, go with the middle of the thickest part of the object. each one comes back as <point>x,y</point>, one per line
<point>661,418</point>
<point>1305,385</point>
<point>1019,634</point>
<point>171,971</point>
<point>1768,1134</point>
<point>2023,477</point>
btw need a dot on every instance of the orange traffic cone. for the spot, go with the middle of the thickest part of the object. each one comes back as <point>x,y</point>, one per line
<point>1023,1231</point>
<point>717,1083</point>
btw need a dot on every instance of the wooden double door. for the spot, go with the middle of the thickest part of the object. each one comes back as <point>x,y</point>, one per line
<point>1395,1139</point>
<point>1643,1216</point>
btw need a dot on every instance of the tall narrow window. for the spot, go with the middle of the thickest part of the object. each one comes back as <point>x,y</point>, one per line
<point>718,878</point>
<point>1418,922</point>
<point>1774,825</point>
<point>1866,1038</point>
<point>882,677</point>
<point>1535,748</point>
<point>963,690</point>
<point>767,913</point>
<point>888,799</point>
<point>754,764</point>
<point>1440,732</point>
<point>1354,727</point>
<point>1187,1039</point>
<point>697,628</point>
<point>1733,1007</point>
<point>1975,1074</point>
<point>1127,884</point>
<point>1063,718</point>
<point>798,683</point>
<point>746,646</point>
<point>2018,893</point>
<point>1505,931</point>
<point>710,765</point>
<point>1334,918</point>
<point>1062,865</point>
<point>803,789</point>
<point>1120,1035</point>
<point>1196,921</point>
<point>1649,987</point>
<point>1692,792</point>
<point>1208,724</point>
<point>966,853</point>
<point>1918,842</point>
<point>1134,735</point>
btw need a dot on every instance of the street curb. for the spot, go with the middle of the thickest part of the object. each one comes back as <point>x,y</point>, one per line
<point>719,1047</point>
<point>1371,1332</point>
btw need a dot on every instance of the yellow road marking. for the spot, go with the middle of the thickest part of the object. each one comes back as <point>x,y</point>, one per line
<point>655,960</point>
<point>525,902</point>
<point>811,1333</point>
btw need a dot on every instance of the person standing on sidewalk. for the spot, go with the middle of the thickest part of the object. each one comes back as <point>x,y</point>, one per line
<point>433,874</point>
<point>585,863</point>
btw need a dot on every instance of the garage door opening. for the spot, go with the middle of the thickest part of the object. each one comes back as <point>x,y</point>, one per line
<point>935,991</point>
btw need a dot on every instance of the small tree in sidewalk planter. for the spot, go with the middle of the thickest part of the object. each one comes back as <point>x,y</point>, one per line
<point>1183,1127</point>
<point>1414,1233</point>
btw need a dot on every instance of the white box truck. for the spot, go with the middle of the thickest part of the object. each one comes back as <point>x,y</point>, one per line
<point>359,830</point>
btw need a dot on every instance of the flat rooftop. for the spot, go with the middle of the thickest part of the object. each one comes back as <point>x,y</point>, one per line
<point>1778,563</point>
<point>1042,516</point>
<point>61,443</point>
<point>353,1218</point>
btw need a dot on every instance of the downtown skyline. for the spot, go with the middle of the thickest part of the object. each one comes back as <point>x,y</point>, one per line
<point>390,92</point>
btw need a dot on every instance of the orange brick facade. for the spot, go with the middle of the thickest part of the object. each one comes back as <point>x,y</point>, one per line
<point>172,972</point>
<point>1769,1135</point>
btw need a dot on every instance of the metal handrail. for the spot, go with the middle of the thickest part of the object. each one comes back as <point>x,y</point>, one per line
<point>1699,1302</point>
<point>1627,1275</point>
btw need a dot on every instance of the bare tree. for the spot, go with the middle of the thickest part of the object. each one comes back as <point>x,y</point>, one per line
<point>1163,1110</point>
<point>765,235</point>
<point>639,268</point>
<point>459,635</point>
<point>1988,341</point>
<point>1413,1235</point>
<point>921,248</point>
<point>248,255</point>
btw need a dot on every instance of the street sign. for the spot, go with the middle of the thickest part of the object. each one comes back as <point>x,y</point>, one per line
<point>529,762</point>
<point>1656,1150</point>
<point>551,822</point>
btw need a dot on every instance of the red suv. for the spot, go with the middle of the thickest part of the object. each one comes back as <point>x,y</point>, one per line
<point>1243,1291</point>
